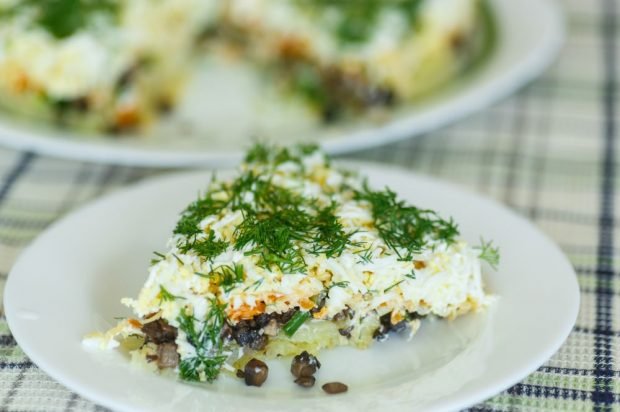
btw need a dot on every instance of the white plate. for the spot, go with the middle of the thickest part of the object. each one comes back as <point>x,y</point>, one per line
<point>530,34</point>
<point>70,280</point>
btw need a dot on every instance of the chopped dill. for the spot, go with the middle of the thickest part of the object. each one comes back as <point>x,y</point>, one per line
<point>411,275</point>
<point>365,255</point>
<point>225,276</point>
<point>159,258</point>
<point>259,153</point>
<point>178,259</point>
<point>228,276</point>
<point>354,22</point>
<point>207,341</point>
<point>329,235</point>
<point>393,286</point>
<point>272,227</point>
<point>405,229</point>
<point>275,156</point>
<point>489,253</point>
<point>167,296</point>
<point>63,18</point>
<point>189,224</point>
<point>209,247</point>
<point>342,284</point>
<point>254,285</point>
<point>280,227</point>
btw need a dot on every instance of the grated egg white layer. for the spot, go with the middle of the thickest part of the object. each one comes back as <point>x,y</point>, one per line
<point>447,280</point>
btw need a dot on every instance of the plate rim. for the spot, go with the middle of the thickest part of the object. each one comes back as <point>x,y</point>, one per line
<point>466,400</point>
<point>449,109</point>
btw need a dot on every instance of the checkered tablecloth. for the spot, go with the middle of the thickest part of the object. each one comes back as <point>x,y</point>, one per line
<point>548,152</point>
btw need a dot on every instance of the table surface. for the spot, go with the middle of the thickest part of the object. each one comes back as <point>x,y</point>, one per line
<point>549,153</point>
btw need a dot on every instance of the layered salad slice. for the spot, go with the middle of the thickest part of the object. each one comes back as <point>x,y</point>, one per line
<point>293,256</point>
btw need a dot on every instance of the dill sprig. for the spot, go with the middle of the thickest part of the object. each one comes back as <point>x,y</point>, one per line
<point>227,276</point>
<point>159,258</point>
<point>329,235</point>
<point>272,236</point>
<point>365,254</point>
<point>207,248</point>
<point>263,154</point>
<point>404,228</point>
<point>489,253</point>
<point>393,286</point>
<point>355,21</point>
<point>207,341</point>
<point>254,286</point>
<point>166,296</point>
<point>63,18</point>
<point>258,153</point>
<point>188,225</point>
<point>179,260</point>
<point>279,226</point>
<point>342,284</point>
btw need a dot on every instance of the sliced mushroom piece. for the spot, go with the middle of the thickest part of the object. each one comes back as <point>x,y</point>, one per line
<point>255,372</point>
<point>159,332</point>
<point>167,355</point>
<point>346,332</point>
<point>305,381</point>
<point>251,338</point>
<point>272,328</point>
<point>304,364</point>
<point>333,388</point>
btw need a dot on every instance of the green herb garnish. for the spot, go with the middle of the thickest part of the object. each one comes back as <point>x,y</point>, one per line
<point>228,276</point>
<point>264,154</point>
<point>167,296</point>
<point>298,319</point>
<point>489,253</point>
<point>225,276</point>
<point>254,285</point>
<point>405,228</point>
<point>178,259</point>
<point>280,227</point>
<point>329,235</point>
<point>342,284</point>
<point>207,248</point>
<point>63,18</point>
<point>158,259</point>
<point>365,255</point>
<point>207,340</point>
<point>356,19</point>
<point>393,286</point>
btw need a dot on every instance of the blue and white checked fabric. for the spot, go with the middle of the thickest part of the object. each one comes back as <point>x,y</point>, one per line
<point>549,152</point>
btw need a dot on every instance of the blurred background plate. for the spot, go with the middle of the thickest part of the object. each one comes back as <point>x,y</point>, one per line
<point>218,117</point>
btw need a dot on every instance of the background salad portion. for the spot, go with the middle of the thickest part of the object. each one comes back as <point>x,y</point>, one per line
<point>118,66</point>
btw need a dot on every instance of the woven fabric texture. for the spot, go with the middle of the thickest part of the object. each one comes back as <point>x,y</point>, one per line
<point>549,152</point>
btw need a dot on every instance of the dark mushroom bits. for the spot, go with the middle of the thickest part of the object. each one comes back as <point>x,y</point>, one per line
<point>303,368</point>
